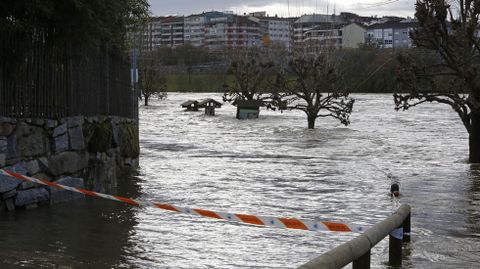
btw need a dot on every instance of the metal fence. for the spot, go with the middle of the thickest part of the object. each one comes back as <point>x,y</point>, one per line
<point>43,79</point>
<point>357,250</point>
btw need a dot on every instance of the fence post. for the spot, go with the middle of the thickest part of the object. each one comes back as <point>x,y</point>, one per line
<point>406,229</point>
<point>358,250</point>
<point>395,247</point>
<point>362,262</point>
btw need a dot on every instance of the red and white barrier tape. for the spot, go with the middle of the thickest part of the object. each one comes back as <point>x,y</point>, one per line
<point>284,223</point>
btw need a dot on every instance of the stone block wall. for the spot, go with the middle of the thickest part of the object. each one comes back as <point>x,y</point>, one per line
<point>78,151</point>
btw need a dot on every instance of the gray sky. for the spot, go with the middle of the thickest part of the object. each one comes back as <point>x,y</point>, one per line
<point>284,8</point>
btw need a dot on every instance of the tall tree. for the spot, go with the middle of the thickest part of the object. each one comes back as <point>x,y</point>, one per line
<point>314,87</point>
<point>451,33</point>
<point>253,73</point>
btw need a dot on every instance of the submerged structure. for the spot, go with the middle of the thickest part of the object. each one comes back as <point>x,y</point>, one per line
<point>248,109</point>
<point>190,105</point>
<point>209,105</point>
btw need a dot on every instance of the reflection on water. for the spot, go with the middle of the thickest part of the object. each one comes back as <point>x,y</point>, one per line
<point>86,234</point>
<point>270,166</point>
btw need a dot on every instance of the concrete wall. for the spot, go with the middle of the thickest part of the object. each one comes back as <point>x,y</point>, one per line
<point>85,151</point>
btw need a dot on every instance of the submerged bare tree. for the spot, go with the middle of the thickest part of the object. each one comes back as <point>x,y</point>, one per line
<point>451,33</point>
<point>313,85</point>
<point>151,81</point>
<point>252,72</point>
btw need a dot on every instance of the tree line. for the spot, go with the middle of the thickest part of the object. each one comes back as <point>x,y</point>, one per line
<point>194,69</point>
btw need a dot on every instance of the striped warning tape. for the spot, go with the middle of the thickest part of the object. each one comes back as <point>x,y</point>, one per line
<point>285,223</point>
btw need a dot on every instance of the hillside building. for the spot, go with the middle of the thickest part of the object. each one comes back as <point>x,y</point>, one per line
<point>172,32</point>
<point>392,34</point>
<point>231,31</point>
<point>274,30</point>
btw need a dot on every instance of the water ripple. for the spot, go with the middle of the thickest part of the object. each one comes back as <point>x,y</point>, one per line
<point>272,166</point>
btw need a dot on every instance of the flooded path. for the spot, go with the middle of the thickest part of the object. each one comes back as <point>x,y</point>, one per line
<point>270,166</point>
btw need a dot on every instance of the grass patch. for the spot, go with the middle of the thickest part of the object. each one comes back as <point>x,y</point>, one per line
<point>198,82</point>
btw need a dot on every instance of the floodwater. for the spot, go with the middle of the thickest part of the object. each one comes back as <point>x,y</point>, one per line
<point>271,166</point>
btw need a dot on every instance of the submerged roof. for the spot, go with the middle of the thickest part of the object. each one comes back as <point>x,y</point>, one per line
<point>248,103</point>
<point>189,103</point>
<point>210,100</point>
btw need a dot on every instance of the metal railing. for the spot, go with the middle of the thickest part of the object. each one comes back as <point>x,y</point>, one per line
<point>357,250</point>
<point>41,77</point>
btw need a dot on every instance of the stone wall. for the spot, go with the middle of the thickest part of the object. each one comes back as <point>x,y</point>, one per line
<point>89,152</point>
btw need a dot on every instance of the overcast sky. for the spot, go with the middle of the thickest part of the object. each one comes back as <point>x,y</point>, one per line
<point>284,8</point>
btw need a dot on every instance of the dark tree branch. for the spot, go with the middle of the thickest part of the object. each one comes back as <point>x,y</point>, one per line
<point>315,89</point>
<point>250,68</point>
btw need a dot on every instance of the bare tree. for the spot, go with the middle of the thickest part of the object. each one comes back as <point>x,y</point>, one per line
<point>151,82</point>
<point>451,33</point>
<point>314,87</point>
<point>252,72</point>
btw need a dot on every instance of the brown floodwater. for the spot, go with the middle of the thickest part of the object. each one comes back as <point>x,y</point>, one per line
<point>271,166</point>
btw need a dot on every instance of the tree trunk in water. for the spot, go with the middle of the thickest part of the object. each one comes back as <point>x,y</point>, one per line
<point>311,122</point>
<point>474,138</point>
<point>146,100</point>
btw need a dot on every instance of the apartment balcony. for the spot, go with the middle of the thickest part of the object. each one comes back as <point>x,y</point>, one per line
<point>215,36</point>
<point>215,40</point>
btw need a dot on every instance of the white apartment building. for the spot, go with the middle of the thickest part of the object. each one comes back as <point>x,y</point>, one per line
<point>306,25</point>
<point>275,30</point>
<point>155,29</point>
<point>341,36</point>
<point>195,26</point>
<point>194,31</point>
<point>280,31</point>
<point>392,34</point>
<point>172,32</point>
<point>323,35</point>
<point>230,31</point>
<point>148,36</point>
<point>215,32</point>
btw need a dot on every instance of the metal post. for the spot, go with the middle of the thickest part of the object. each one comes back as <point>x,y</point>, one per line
<point>406,229</point>
<point>357,250</point>
<point>395,248</point>
<point>363,262</point>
